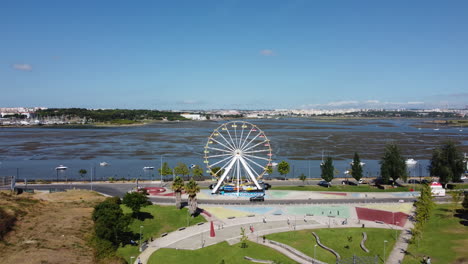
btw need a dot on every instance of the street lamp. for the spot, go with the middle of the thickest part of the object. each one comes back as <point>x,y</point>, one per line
<point>131,258</point>
<point>161,171</point>
<point>315,251</point>
<point>384,245</point>
<point>141,227</point>
<point>397,223</point>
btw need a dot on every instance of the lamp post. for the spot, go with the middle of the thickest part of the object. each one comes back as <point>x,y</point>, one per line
<point>385,243</point>
<point>160,171</point>
<point>397,223</point>
<point>131,258</point>
<point>315,251</point>
<point>141,227</point>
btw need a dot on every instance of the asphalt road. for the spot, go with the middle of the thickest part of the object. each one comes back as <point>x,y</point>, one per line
<point>119,189</point>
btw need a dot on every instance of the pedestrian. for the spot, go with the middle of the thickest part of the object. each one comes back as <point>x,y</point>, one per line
<point>264,237</point>
<point>428,260</point>
<point>139,261</point>
<point>424,261</point>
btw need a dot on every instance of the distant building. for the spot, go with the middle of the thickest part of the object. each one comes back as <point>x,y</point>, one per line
<point>194,116</point>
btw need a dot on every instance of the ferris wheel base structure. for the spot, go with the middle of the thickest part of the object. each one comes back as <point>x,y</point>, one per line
<point>243,153</point>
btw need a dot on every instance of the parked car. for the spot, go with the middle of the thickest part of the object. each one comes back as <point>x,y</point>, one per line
<point>266,186</point>
<point>361,181</point>
<point>324,183</point>
<point>412,181</point>
<point>257,199</point>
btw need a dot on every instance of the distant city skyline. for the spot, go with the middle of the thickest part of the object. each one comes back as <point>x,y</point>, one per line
<point>234,55</point>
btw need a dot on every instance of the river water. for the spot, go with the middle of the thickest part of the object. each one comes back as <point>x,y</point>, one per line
<point>34,152</point>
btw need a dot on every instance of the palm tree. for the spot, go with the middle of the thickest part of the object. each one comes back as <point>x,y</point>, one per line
<point>192,189</point>
<point>178,187</point>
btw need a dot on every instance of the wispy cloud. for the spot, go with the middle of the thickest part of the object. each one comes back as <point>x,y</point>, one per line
<point>22,67</point>
<point>372,101</point>
<point>341,103</point>
<point>267,52</point>
<point>190,102</point>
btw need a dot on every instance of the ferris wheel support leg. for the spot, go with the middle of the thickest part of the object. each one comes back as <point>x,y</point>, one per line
<point>249,172</point>
<point>221,179</point>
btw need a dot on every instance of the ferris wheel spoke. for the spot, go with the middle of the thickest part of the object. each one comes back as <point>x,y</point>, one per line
<point>216,163</point>
<point>235,135</point>
<point>252,169</point>
<point>218,149</point>
<point>232,141</point>
<point>250,142</point>
<point>227,141</point>
<point>256,157</point>
<point>245,139</point>
<point>258,144</point>
<point>242,133</point>
<point>219,155</point>
<point>222,144</point>
<point>222,168</point>
<point>256,151</point>
<point>253,162</point>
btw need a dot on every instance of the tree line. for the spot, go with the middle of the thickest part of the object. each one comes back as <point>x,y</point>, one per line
<point>107,115</point>
<point>447,163</point>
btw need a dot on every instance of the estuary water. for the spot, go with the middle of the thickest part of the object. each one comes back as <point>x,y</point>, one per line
<point>34,152</point>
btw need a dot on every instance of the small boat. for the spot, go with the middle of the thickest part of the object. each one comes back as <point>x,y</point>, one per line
<point>148,168</point>
<point>61,167</point>
<point>360,163</point>
<point>102,164</point>
<point>411,162</point>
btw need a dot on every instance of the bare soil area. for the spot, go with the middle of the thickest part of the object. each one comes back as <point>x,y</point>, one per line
<point>51,227</point>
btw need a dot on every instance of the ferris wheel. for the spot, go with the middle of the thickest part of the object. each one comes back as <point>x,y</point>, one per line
<point>237,151</point>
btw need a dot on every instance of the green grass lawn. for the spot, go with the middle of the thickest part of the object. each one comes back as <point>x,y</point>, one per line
<point>337,239</point>
<point>444,239</point>
<point>165,219</point>
<point>215,254</point>
<point>344,188</point>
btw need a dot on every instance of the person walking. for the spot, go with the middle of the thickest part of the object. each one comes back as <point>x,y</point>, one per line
<point>428,260</point>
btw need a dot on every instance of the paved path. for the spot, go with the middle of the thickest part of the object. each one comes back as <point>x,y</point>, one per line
<point>398,252</point>
<point>196,237</point>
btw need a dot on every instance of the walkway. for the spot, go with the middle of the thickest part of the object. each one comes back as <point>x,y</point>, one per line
<point>196,237</point>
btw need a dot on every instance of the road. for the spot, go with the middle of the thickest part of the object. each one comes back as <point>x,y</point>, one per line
<point>119,189</point>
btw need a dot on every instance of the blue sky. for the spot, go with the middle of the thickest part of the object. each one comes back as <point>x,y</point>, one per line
<point>234,54</point>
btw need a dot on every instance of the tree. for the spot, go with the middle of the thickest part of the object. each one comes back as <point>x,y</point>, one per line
<point>181,169</point>
<point>424,204</point>
<point>178,187</point>
<point>269,169</point>
<point>283,168</point>
<point>82,172</point>
<point>456,198</point>
<point>328,170</point>
<point>110,223</point>
<point>243,238</point>
<point>192,189</point>
<point>165,170</point>
<point>136,200</point>
<point>197,172</point>
<point>217,172</point>
<point>447,163</point>
<point>302,177</point>
<point>465,202</point>
<point>392,164</point>
<point>356,168</point>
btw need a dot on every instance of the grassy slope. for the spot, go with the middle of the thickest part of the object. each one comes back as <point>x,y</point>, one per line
<point>216,253</point>
<point>337,239</point>
<point>445,239</point>
<point>165,219</point>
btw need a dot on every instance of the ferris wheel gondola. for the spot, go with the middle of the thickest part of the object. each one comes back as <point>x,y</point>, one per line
<point>240,152</point>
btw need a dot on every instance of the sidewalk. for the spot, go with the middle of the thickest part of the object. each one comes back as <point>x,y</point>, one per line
<point>196,237</point>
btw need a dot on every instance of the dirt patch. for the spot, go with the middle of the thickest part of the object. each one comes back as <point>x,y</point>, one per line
<point>52,228</point>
